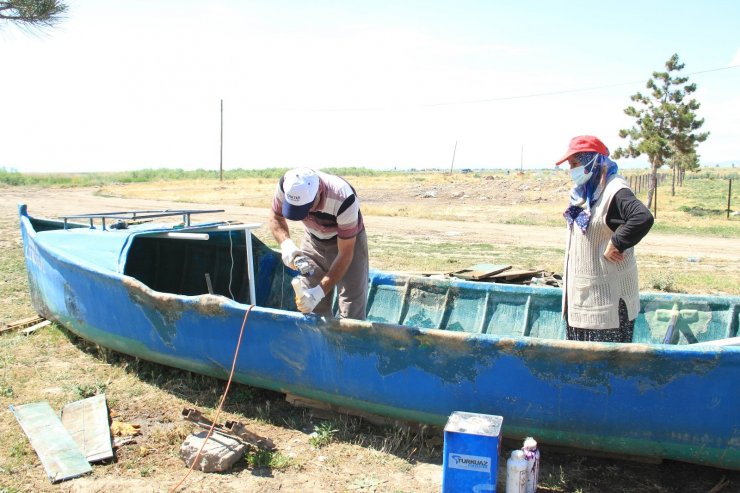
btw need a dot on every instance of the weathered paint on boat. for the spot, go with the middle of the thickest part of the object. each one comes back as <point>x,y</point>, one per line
<point>429,347</point>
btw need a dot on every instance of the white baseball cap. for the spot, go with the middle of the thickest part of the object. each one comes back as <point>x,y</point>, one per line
<point>300,186</point>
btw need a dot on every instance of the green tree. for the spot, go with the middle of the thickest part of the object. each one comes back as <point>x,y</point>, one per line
<point>33,13</point>
<point>666,124</point>
<point>680,163</point>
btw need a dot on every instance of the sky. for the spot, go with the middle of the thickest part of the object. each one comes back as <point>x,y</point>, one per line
<point>124,85</point>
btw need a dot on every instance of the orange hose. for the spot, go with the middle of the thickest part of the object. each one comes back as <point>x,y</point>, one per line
<point>220,403</point>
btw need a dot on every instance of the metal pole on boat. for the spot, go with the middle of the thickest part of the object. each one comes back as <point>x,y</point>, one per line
<point>250,254</point>
<point>250,265</point>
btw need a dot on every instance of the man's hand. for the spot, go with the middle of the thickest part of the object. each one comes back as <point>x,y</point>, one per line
<point>288,251</point>
<point>612,254</point>
<point>310,299</point>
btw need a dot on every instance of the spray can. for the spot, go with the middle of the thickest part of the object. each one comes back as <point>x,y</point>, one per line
<point>303,265</point>
<point>297,284</point>
<point>516,472</point>
<point>532,455</point>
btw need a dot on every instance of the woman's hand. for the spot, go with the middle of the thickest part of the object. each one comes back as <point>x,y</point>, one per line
<point>612,254</point>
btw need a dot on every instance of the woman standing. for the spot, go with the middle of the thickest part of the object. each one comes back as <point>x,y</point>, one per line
<point>601,296</point>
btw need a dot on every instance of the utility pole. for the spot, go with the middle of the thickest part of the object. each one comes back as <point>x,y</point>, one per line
<point>453,156</point>
<point>521,160</point>
<point>221,157</point>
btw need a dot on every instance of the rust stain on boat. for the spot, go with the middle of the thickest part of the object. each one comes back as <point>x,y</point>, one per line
<point>164,310</point>
<point>451,356</point>
<point>173,305</point>
<point>457,356</point>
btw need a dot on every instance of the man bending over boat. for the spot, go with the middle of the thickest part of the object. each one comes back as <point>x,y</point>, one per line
<point>601,298</point>
<point>334,240</point>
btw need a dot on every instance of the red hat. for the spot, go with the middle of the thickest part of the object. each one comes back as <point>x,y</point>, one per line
<point>584,143</point>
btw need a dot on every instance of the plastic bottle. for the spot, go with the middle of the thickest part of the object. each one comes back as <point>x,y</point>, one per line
<point>516,472</point>
<point>297,284</point>
<point>532,455</point>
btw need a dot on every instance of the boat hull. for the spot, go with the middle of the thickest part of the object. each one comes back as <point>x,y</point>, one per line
<point>649,400</point>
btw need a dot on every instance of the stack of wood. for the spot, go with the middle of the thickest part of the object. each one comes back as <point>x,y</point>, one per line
<point>505,274</point>
<point>28,325</point>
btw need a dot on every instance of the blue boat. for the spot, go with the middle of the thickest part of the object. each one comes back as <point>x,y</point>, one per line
<point>179,294</point>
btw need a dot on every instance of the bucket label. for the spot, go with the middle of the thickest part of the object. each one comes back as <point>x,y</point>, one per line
<point>469,462</point>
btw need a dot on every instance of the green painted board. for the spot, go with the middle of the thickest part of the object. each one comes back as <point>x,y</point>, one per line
<point>52,442</point>
<point>87,422</point>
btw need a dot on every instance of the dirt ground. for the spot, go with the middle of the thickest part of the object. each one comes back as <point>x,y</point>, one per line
<point>74,200</point>
<point>350,466</point>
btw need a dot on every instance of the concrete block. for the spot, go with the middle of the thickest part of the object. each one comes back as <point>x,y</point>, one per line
<point>219,453</point>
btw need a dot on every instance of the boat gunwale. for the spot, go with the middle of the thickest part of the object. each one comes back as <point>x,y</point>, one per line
<point>344,324</point>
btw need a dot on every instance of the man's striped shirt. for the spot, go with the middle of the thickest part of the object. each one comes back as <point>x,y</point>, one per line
<point>336,214</point>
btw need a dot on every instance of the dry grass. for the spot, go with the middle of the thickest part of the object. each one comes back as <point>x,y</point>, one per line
<point>54,365</point>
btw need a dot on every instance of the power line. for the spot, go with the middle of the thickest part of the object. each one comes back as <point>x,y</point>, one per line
<point>504,98</point>
<point>567,91</point>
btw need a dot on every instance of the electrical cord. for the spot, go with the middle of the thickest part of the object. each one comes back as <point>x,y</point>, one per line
<point>221,401</point>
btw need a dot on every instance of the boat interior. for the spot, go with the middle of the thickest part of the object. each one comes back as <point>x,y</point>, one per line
<point>219,264</point>
<point>177,266</point>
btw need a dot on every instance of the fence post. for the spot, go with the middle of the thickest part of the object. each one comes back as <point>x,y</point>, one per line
<point>655,199</point>
<point>729,196</point>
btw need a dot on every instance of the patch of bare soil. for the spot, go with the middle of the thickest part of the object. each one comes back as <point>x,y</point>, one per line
<point>43,202</point>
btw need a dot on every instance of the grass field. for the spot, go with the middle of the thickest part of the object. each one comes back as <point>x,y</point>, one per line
<point>697,212</point>
<point>337,453</point>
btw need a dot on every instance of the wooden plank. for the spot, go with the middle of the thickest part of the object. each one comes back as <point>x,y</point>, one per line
<point>327,411</point>
<point>480,271</point>
<point>36,327</point>
<point>25,322</point>
<point>22,323</point>
<point>515,274</point>
<point>231,429</point>
<point>573,451</point>
<point>87,421</point>
<point>55,447</point>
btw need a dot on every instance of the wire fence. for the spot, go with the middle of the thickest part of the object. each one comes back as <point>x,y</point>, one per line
<point>641,183</point>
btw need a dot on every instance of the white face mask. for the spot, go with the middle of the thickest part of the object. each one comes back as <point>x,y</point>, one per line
<point>579,175</point>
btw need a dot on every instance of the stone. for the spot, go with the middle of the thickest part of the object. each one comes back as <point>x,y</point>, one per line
<point>219,453</point>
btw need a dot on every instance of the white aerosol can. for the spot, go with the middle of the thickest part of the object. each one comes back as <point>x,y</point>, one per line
<point>516,472</point>
<point>532,455</point>
<point>297,284</point>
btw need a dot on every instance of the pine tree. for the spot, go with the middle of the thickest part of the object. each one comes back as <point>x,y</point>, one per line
<point>680,163</point>
<point>666,126</point>
<point>33,13</point>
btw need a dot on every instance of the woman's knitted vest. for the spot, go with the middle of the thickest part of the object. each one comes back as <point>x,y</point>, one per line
<point>593,285</point>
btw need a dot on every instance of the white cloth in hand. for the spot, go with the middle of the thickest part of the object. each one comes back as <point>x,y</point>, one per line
<point>310,299</point>
<point>288,251</point>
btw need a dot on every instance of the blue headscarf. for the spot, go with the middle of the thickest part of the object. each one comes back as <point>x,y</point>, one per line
<point>582,197</point>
